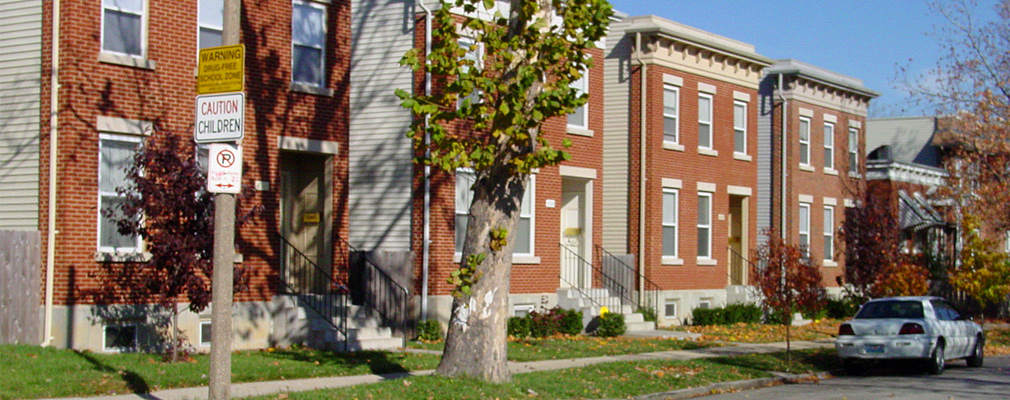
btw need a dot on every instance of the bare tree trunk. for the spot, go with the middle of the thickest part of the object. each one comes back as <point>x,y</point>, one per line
<point>476,342</point>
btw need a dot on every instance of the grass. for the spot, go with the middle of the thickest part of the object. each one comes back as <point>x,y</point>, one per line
<point>760,333</point>
<point>565,347</point>
<point>608,380</point>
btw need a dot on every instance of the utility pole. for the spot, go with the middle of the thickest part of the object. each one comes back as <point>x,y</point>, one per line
<point>224,255</point>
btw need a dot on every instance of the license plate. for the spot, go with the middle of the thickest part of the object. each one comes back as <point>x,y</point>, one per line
<point>875,349</point>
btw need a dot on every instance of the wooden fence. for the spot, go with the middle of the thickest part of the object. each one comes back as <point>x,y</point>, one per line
<point>20,287</point>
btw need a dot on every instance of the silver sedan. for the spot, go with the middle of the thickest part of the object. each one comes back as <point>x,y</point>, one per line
<point>915,327</point>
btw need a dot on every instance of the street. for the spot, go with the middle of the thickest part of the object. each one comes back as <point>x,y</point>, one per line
<point>898,381</point>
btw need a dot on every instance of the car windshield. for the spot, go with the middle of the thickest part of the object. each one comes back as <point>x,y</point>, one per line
<point>891,309</point>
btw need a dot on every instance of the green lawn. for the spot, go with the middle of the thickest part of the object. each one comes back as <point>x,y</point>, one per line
<point>563,347</point>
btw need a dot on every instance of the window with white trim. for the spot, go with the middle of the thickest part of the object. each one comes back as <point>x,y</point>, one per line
<point>475,56</point>
<point>671,114</point>
<point>525,227</point>
<point>804,136</point>
<point>464,197</point>
<point>853,150</point>
<point>804,228</point>
<point>740,127</point>
<point>704,225</point>
<point>580,117</point>
<point>829,145</point>
<point>115,156</point>
<point>308,43</point>
<point>210,23</point>
<point>670,234</point>
<point>670,308</point>
<point>704,120</point>
<point>829,233</point>
<point>205,330</point>
<point>124,27</point>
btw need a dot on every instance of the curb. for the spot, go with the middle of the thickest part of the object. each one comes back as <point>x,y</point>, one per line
<point>735,386</point>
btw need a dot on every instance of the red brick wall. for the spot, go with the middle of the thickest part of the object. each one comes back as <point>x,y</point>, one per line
<point>166,97</point>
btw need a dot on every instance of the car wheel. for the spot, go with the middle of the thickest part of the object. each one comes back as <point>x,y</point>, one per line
<point>936,362</point>
<point>977,354</point>
<point>851,367</point>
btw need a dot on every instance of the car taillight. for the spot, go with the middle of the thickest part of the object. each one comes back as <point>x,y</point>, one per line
<point>911,328</point>
<point>846,329</point>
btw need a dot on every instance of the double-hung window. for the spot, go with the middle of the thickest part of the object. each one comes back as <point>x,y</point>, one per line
<point>829,233</point>
<point>525,228</point>
<point>474,56</point>
<point>671,114</point>
<point>670,222</point>
<point>580,117</point>
<point>124,29</point>
<point>115,156</point>
<point>804,228</point>
<point>704,225</point>
<point>705,121</point>
<point>740,127</point>
<point>464,197</point>
<point>308,43</point>
<point>854,150</point>
<point>829,145</point>
<point>210,29</point>
<point>804,135</point>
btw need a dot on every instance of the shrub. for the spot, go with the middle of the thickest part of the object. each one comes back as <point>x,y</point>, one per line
<point>429,330</point>
<point>841,309</point>
<point>648,313</point>
<point>519,327</point>
<point>731,314</point>
<point>610,325</point>
<point>571,322</point>
<point>555,320</point>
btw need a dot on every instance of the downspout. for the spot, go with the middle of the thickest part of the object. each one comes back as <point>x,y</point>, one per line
<point>785,153</point>
<point>426,245</point>
<point>54,110</point>
<point>641,162</point>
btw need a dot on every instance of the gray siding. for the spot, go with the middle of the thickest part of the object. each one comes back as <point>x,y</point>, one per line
<point>380,153</point>
<point>910,139</point>
<point>617,81</point>
<point>764,158</point>
<point>20,88</point>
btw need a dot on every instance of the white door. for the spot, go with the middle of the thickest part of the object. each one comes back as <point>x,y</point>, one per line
<point>575,271</point>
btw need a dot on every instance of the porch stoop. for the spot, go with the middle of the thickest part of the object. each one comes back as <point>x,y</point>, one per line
<point>589,302</point>
<point>364,330</point>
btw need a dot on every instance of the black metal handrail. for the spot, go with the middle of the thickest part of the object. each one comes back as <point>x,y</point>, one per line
<point>613,300</point>
<point>315,287</point>
<point>747,265</point>
<point>648,291</point>
<point>383,294</point>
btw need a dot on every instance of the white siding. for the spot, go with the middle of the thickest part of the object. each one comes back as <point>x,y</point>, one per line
<point>617,81</point>
<point>380,153</point>
<point>20,87</point>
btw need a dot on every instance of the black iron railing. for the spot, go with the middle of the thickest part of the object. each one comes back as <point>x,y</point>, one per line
<point>315,287</point>
<point>738,267</point>
<point>646,297</point>
<point>589,281</point>
<point>380,293</point>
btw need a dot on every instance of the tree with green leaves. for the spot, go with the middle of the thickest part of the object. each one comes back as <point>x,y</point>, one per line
<point>984,273</point>
<point>494,94</point>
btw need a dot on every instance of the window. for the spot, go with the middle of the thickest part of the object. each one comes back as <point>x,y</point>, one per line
<point>671,114</point>
<point>464,196</point>
<point>115,155</point>
<point>526,228</point>
<point>804,141</point>
<point>704,225</point>
<point>205,331</point>
<point>522,310</point>
<point>210,23</point>
<point>740,127</point>
<point>705,121</point>
<point>705,304</point>
<point>308,38</point>
<point>580,118</point>
<point>829,233</point>
<point>670,222</point>
<point>120,338</point>
<point>853,150</point>
<point>123,27</point>
<point>804,228</point>
<point>829,145</point>
<point>475,55</point>
<point>670,308</point>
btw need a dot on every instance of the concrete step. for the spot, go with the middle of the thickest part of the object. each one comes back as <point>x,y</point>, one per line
<point>640,326</point>
<point>390,343</point>
<point>369,333</point>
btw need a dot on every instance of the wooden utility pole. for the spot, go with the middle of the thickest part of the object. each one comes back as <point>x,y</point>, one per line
<point>224,256</point>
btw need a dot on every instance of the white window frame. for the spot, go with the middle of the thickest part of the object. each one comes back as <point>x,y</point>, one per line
<point>203,22</point>
<point>739,128</point>
<point>105,336</point>
<point>321,47</point>
<point>530,213</point>
<point>102,195</point>
<point>143,13</point>
<point>463,211</point>
<point>529,202</point>
<point>671,219</point>
<point>804,141</point>
<point>706,120</point>
<point>675,116</point>
<point>829,233</point>
<point>477,56</point>
<point>705,224</point>
<point>204,341</point>
<point>854,150</point>
<point>667,305</point>
<point>803,219</point>
<point>581,86</point>
<point>829,146</point>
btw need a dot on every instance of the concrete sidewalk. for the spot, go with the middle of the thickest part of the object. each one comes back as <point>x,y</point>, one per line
<point>239,390</point>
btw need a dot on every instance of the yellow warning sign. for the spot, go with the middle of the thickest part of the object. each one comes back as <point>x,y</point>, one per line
<point>221,69</point>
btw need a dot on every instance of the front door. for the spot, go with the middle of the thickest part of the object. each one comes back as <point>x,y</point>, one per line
<point>306,265</point>
<point>575,268</point>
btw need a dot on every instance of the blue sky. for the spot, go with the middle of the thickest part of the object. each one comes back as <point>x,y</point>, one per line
<point>867,40</point>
